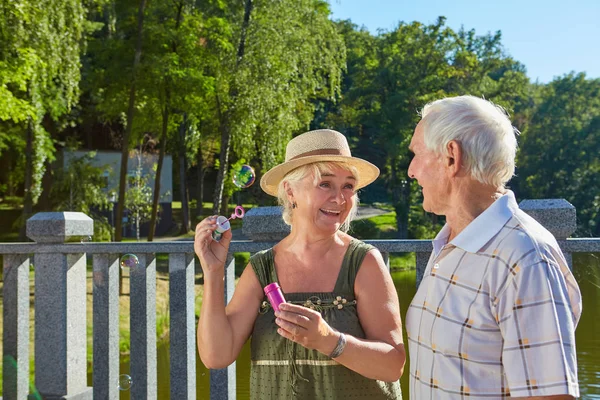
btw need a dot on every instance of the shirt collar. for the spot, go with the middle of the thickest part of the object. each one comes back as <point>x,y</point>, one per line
<point>441,239</point>
<point>483,228</point>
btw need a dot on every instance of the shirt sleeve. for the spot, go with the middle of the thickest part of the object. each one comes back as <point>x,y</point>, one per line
<point>538,328</point>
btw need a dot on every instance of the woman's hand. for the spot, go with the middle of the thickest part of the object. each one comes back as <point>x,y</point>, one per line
<point>306,327</point>
<point>212,254</point>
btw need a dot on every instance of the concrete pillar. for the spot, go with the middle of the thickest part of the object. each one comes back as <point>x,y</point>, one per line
<point>223,382</point>
<point>265,224</point>
<point>15,360</point>
<point>60,307</point>
<point>182,326</point>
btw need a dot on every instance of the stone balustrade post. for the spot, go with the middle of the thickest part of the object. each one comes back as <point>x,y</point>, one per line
<point>265,224</point>
<point>557,215</point>
<point>60,307</point>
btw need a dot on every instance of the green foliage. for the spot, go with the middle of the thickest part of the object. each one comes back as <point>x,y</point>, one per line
<point>241,260</point>
<point>559,154</point>
<point>364,229</point>
<point>383,226</point>
<point>40,45</point>
<point>81,186</point>
<point>259,80</point>
<point>402,261</point>
<point>391,76</point>
<point>139,196</point>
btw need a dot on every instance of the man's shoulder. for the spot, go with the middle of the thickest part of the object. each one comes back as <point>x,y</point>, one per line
<point>523,239</point>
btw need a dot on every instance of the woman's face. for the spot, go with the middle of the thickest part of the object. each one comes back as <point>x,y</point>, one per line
<point>327,201</point>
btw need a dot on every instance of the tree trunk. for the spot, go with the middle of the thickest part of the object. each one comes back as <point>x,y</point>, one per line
<point>28,197</point>
<point>400,201</point>
<point>185,210</point>
<point>200,193</point>
<point>161,157</point>
<point>137,226</point>
<point>224,206</point>
<point>127,134</point>
<point>223,166</point>
<point>44,203</point>
<point>225,122</point>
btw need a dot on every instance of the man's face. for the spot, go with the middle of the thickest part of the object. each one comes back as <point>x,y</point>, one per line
<point>429,171</point>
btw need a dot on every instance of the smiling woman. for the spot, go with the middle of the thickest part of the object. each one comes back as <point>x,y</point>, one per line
<point>339,334</point>
<point>320,175</point>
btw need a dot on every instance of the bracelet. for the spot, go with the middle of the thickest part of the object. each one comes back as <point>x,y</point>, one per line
<point>339,348</point>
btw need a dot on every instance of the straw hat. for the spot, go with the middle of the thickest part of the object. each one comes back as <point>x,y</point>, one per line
<point>317,146</point>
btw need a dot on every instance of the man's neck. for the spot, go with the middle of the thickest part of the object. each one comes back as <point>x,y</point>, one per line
<point>468,204</point>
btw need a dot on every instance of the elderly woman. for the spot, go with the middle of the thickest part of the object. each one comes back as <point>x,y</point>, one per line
<point>339,334</point>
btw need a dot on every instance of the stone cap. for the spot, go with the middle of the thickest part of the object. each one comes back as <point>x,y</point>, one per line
<point>57,227</point>
<point>264,224</point>
<point>557,215</point>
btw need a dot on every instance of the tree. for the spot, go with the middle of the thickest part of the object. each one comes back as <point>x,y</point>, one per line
<point>285,56</point>
<point>40,44</point>
<point>176,60</point>
<point>139,196</point>
<point>559,149</point>
<point>129,127</point>
<point>393,75</point>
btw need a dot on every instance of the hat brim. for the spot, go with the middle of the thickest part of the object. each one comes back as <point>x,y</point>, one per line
<point>367,172</point>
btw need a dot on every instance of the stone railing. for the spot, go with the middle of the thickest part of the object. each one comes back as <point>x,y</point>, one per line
<point>60,303</point>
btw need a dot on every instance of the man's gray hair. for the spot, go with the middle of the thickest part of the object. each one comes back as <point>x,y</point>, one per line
<point>484,131</point>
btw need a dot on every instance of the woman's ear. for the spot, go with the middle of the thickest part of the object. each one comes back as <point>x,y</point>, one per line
<point>289,191</point>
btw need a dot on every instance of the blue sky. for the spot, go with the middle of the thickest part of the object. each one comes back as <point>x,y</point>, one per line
<point>551,37</point>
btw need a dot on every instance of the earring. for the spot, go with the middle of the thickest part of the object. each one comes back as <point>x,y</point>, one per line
<point>294,205</point>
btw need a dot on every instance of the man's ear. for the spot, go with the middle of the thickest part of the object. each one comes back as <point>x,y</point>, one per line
<point>454,157</point>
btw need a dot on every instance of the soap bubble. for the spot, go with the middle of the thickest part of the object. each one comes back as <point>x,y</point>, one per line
<point>129,261</point>
<point>244,177</point>
<point>125,382</point>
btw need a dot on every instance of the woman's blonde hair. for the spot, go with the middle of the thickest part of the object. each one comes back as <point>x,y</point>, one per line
<point>315,170</point>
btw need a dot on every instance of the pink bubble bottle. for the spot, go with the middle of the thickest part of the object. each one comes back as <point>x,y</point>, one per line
<point>274,294</point>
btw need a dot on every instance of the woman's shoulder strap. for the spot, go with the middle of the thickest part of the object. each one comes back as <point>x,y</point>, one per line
<point>355,254</point>
<point>263,266</point>
<point>356,257</point>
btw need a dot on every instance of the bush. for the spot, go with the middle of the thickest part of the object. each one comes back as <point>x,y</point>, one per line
<point>241,260</point>
<point>364,229</point>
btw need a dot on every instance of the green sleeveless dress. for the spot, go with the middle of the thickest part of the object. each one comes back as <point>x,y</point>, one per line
<point>282,369</point>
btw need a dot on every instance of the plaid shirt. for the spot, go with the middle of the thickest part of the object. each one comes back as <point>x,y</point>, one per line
<point>496,312</point>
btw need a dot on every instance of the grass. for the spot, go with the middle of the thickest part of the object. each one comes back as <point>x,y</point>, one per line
<point>11,203</point>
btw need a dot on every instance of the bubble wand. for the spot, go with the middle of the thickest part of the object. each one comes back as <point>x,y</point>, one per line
<point>223,222</point>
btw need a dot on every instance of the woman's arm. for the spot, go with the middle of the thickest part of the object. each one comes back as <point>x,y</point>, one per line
<point>381,355</point>
<point>223,330</point>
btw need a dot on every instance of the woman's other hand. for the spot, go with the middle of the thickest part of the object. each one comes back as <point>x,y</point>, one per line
<point>212,254</point>
<point>306,327</point>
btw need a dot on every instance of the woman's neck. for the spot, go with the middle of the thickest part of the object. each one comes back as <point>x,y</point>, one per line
<point>300,241</point>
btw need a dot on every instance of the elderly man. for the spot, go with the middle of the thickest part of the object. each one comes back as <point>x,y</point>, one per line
<point>496,312</point>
